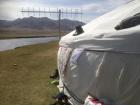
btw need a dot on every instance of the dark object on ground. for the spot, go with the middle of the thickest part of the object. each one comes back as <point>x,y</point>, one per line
<point>129,22</point>
<point>61,96</point>
<point>58,103</point>
<point>61,99</point>
<point>55,74</point>
<point>79,30</point>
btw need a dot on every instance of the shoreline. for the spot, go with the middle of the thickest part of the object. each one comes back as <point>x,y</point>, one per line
<point>34,36</point>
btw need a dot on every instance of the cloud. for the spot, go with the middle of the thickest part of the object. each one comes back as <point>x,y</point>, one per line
<point>103,6</point>
<point>116,2</point>
<point>10,9</point>
<point>66,2</point>
<point>94,8</point>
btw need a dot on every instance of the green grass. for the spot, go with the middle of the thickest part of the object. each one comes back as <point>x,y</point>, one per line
<point>24,75</point>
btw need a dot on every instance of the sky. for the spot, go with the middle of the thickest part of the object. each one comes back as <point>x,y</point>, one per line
<point>11,9</point>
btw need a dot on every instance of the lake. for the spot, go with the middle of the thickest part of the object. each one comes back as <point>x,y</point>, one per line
<point>7,44</point>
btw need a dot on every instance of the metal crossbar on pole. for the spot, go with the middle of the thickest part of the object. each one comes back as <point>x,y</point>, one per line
<point>59,12</point>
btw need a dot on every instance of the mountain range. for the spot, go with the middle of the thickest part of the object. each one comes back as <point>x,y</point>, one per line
<point>40,23</point>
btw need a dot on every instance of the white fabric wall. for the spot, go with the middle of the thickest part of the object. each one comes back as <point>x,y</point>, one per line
<point>108,63</point>
<point>111,76</point>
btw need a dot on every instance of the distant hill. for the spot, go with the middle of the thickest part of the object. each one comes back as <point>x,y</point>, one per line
<point>40,23</point>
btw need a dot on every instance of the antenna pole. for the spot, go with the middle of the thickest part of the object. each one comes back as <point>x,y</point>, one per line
<point>59,19</point>
<point>59,13</point>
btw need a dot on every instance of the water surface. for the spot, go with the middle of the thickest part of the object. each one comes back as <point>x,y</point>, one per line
<point>7,44</point>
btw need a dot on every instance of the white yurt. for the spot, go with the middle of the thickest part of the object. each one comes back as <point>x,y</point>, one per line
<point>103,62</point>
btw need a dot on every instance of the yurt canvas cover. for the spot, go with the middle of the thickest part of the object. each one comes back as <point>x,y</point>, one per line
<point>103,61</point>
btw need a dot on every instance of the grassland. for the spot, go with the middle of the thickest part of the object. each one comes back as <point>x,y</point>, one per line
<point>27,33</point>
<point>24,75</point>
